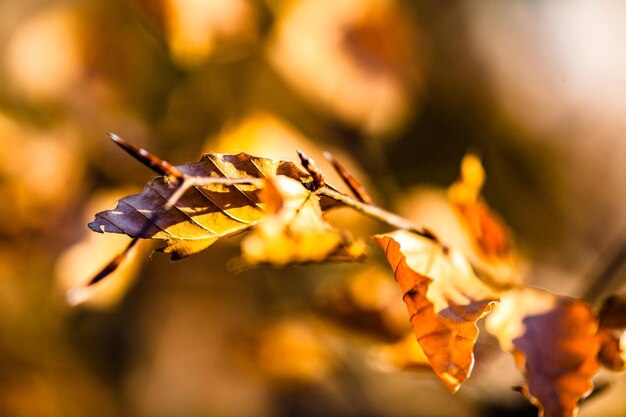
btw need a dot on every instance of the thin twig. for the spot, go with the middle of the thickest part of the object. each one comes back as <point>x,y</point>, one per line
<point>183,182</point>
<point>607,275</point>
<point>355,186</point>
<point>309,164</point>
<point>378,213</point>
<point>151,161</point>
<point>77,294</point>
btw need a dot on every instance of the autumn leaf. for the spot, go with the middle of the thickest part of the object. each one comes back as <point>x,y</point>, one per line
<point>203,214</point>
<point>490,239</point>
<point>86,256</point>
<point>294,230</point>
<point>463,218</point>
<point>554,343</point>
<point>612,333</point>
<point>444,298</point>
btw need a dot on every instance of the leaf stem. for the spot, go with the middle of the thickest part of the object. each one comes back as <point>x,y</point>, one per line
<point>378,213</point>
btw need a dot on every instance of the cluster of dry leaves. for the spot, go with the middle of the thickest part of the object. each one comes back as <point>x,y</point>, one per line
<point>558,342</point>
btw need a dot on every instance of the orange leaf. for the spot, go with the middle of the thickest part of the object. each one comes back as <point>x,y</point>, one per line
<point>444,299</point>
<point>490,235</point>
<point>554,343</point>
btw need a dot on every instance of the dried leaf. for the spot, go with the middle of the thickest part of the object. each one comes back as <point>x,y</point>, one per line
<point>85,257</point>
<point>554,343</point>
<point>203,214</point>
<point>491,239</point>
<point>444,298</point>
<point>296,232</point>
<point>612,333</point>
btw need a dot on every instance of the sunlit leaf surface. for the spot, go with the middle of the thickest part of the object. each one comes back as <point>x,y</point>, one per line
<point>295,231</point>
<point>444,299</point>
<point>203,214</point>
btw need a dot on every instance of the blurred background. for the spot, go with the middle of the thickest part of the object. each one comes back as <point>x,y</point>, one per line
<point>398,90</point>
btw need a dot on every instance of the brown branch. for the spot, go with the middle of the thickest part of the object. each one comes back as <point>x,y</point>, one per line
<point>607,274</point>
<point>309,164</point>
<point>379,214</point>
<point>355,186</point>
<point>184,182</point>
<point>153,162</point>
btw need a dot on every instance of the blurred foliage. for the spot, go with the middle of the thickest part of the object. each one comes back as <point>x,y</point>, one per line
<point>398,90</point>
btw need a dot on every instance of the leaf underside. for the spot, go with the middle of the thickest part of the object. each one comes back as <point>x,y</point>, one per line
<point>555,348</point>
<point>204,213</point>
<point>559,354</point>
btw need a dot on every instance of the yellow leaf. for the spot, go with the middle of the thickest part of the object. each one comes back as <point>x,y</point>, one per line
<point>296,232</point>
<point>444,298</point>
<point>204,213</point>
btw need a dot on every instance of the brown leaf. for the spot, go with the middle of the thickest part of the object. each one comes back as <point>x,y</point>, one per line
<point>295,231</point>
<point>553,341</point>
<point>612,333</point>
<point>204,213</point>
<point>86,257</point>
<point>444,299</point>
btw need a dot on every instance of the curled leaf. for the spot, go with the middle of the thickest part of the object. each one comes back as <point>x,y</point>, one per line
<point>554,343</point>
<point>204,213</point>
<point>490,239</point>
<point>489,233</point>
<point>444,298</point>
<point>295,231</point>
